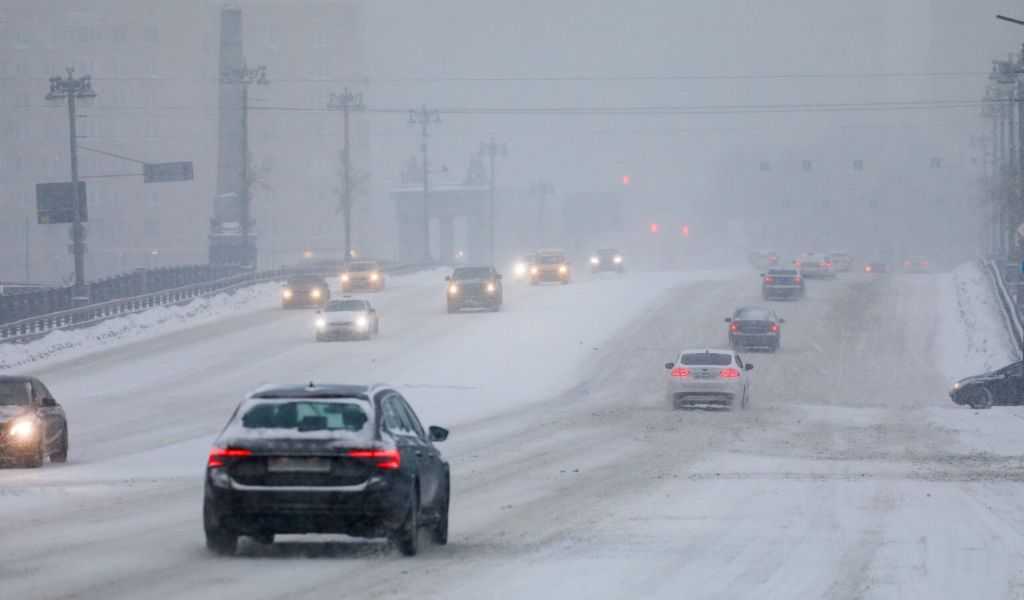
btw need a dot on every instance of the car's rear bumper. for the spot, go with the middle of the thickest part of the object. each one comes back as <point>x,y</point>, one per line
<point>754,340</point>
<point>695,398</point>
<point>783,290</point>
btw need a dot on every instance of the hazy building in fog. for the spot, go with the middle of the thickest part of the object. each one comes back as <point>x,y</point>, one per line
<point>154,66</point>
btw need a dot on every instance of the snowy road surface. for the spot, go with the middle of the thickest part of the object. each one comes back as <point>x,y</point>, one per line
<point>851,476</point>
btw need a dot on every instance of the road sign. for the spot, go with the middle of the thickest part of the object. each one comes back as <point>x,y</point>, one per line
<point>53,203</point>
<point>165,172</point>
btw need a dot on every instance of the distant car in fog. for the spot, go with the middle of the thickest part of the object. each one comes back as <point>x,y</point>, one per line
<point>843,261</point>
<point>917,264</point>
<point>763,260</point>
<point>521,268</point>
<point>878,267</point>
<point>304,291</point>
<point>782,283</point>
<point>1002,387</point>
<point>708,377</point>
<point>32,424</point>
<point>474,287</point>
<point>606,259</point>
<point>755,328</point>
<point>348,318</point>
<point>815,266</point>
<point>362,275</point>
<point>550,265</point>
<point>346,459</point>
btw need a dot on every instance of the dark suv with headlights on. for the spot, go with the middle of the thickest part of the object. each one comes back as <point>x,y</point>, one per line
<point>326,458</point>
<point>32,424</point>
<point>1002,387</point>
<point>474,287</point>
<point>305,291</point>
<point>755,328</point>
<point>782,282</point>
<point>606,259</point>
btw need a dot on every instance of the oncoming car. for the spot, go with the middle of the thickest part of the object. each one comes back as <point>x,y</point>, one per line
<point>32,424</point>
<point>346,459</point>
<point>362,275</point>
<point>550,265</point>
<point>347,319</point>
<point>878,267</point>
<point>304,291</point>
<point>521,268</point>
<point>474,287</point>
<point>708,377</point>
<point>606,259</point>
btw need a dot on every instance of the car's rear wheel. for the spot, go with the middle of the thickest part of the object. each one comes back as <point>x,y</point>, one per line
<point>61,454</point>
<point>978,398</point>
<point>219,539</point>
<point>440,530</point>
<point>407,537</point>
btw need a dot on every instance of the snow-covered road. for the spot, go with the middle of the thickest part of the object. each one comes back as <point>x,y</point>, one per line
<point>851,476</point>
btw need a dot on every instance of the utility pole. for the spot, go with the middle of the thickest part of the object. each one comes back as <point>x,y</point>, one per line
<point>423,117</point>
<point>346,102</point>
<point>541,189</point>
<point>244,77</point>
<point>493,150</point>
<point>73,88</point>
<point>28,256</point>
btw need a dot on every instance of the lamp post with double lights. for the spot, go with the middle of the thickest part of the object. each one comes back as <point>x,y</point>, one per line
<point>346,102</point>
<point>74,88</point>
<point>424,117</point>
<point>245,77</point>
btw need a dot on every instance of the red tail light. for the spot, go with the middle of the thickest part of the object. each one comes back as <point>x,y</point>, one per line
<point>386,459</point>
<point>680,372</point>
<point>797,264</point>
<point>867,269</point>
<point>217,455</point>
<point>797,279</point>
<point>926,264</point>
<point>775,327</point>
<point>729,373</point>
<point>769,280</point>
<point>773,258</point>
<point>734,327</point>
<point>824,264</point>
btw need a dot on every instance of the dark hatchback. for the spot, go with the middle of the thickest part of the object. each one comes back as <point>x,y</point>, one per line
<point>304,291</point>
<point>474,287</point>
<point>1002,387</point>
<point>782,283</point>
<point>32,424</point>
<point>326,459</point>
<point>755,328</point>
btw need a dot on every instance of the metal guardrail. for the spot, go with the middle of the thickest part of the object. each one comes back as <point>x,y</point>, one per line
<point>1010,291</point>
<point>31,303</point>
<point>25,330</point>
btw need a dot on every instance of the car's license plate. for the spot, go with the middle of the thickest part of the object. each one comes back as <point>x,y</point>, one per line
<point>705,375</point>
<point>300,464</point>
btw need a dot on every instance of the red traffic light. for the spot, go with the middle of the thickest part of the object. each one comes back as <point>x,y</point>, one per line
<point>654,228</point>
<point>626,179</point>
<point>686,231</point>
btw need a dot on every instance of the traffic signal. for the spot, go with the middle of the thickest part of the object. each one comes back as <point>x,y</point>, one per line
<point>686,231</point>
<point>654,228</point>
<point>626,179</point>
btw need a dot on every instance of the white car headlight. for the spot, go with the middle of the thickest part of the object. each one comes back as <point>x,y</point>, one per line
<point>321,323</point>
<point>362,322</point>
<point>315,293</point>
<point>344,278</point>
<point>595,260</point>
<point>374,276</point>
<point>563,269</point>
<point>956,385</point>
<point>491,288</point>
<point>287,294</point>
<point>23,429</point>
<point>453,289</point>
<point>617,259</point>
<point>534,270</point>
<point>520,269</point>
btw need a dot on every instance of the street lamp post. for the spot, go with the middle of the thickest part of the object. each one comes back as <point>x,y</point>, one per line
<point>424,117</point>
<point>73,88</point>
<point>492,149</point>
<point>346,102</point>
<point>244,77</point>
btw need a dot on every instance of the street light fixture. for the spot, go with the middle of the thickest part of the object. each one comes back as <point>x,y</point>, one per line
<point>424,117</point>
<point>346,102</point>
<point>72,89</point>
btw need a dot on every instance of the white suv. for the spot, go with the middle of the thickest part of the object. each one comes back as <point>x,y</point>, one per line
<point>708,377</point>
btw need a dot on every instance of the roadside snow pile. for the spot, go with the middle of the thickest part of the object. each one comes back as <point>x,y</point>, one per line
<point>147,324</point>
<point>972,335</point>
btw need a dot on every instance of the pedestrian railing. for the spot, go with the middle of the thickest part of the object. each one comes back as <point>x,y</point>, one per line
<point>1009,287</point>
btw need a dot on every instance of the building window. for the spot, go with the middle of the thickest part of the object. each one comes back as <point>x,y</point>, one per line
<point>320,37</point>
<point>151,226</point>
<point>766,166</point>
<point>320,71</point>
<point>151,34</point>
<point>152,68</point>
<point>3,38</point>
<point>808,165</point>
<point>21,68</point>
<point>22,38</point>
<point>119,34</point>
<point>119,68</point>
<point>118,98</point>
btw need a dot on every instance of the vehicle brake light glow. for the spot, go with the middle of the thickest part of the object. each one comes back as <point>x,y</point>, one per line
<point>679,372</point>
<point>729,373</point>
<point>217,455</point>
<point>797,263</point>
<point>775,327</point>
<point>386,459</point>
<point>769,280</point>
<point>734,327</point>
<point>867,269</point>
<point>797,279</point>
<point>824,264</point>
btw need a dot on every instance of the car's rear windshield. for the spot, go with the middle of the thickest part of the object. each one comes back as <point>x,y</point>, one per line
<point>706,358</point>
<point>471,273</point>
<point>752,314</point>
<point>14,393</point>
<point>307,415</point>
<point>305,280</point>
<point>345,305</point>
<point>362,267</point>
<point>549,259</point>
<point>787,272</point>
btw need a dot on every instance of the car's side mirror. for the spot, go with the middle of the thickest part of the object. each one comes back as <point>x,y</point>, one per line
<point>782,320</point>
<point>438,434</point>
<point>762,275</point>
<point>728,319</point>
<point>447,278</point>
<point>669,365</point>
<point>49,402</point>
<point>748,367</point>
<point>373,311</point>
